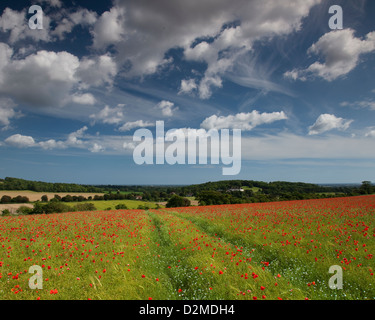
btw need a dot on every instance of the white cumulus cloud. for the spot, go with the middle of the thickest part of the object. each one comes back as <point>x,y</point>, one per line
<point>15,24</point>
<point>340,50</point>
<point>167,108</point>
<point>135,124</point>
<point>96,148</point>
<point>85,98</point>
<point>7,112</point>
<point>20,141</point>
<point>187,86</point>
<point>326,122</point>
<point>109,28</point>
<point>370,134</point>
<point>243,121</point>
<point>53,79</point>
<point>109,115</point>
<point>204,30</point>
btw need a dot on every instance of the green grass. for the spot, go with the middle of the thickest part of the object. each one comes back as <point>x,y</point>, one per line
<point>264,251</point>
<point>253,189</point>
<point>105,204</point>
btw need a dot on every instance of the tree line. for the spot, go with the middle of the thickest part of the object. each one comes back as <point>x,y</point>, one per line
<point>18,199</point>
<point>10,183</point>
<point>54,207</point>
<point>234,192</point>
<point>209,193</point>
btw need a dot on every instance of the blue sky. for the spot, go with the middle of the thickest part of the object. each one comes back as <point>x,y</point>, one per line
<point>73,93</point>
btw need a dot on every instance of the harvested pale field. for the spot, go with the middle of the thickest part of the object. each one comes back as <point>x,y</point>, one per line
<point>12,207</point>
<point>34,196</point>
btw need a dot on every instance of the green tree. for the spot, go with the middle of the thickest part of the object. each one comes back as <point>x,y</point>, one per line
<point>67,198</point>
<point>81,198</point>
<point>121,206</point>
<point>20,199</point>
<point>6,212</point>
<point>177,201</point>
<point>56,207</point>
<point>84,207</point>
<point>366,187</point>
<point>6,199</point>
<point>38,208</point>
<point>212,198</point>
<point>24,210</point>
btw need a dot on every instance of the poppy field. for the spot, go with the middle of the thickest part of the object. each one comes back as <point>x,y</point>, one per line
<point>264,251</point>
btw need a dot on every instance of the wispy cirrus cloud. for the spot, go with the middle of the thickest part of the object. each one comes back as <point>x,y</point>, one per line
<point>370,104</point>
<point>292,146</point>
